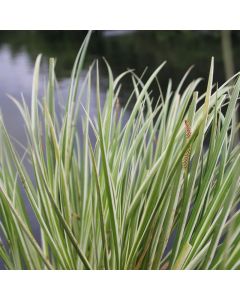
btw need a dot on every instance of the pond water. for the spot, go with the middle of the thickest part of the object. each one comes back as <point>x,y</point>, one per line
<point>122,49</point>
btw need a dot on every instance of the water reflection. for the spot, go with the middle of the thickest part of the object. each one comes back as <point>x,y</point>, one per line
<point>16,72</point>
<point>15,78</point>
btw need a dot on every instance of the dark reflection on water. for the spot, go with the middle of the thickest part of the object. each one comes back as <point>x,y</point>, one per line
<point>122,49</point>
<point>131,49</point>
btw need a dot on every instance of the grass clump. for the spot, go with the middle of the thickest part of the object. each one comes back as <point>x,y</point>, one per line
<point>142,194</point>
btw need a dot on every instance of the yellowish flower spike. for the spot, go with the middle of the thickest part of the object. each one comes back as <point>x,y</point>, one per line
<point>186,157</point>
